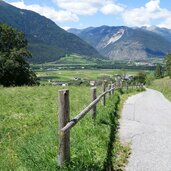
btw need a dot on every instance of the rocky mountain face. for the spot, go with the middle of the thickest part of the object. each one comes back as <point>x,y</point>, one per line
<point>46,41</point>
<point>127,43</point>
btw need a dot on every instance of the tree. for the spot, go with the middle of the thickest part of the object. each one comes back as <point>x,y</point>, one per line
<point>168,65</point>
<point>158,71</point>
<point>149,78</point>
<point>14,70</point>
<point>140,78</point>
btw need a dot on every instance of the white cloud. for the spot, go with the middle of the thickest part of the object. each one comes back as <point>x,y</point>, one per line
<point>56,16</point>
<point>79,7</point>
<point>71,10</point>
<point>89,7</point>
<point>111,9</point>
<point>146,15</point>
<point>152,5</point>
<point>166,23</point>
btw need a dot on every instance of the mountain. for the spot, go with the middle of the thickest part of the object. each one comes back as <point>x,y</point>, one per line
<point>166,33</point>
<point>46,41</point>
<point>123,42</point>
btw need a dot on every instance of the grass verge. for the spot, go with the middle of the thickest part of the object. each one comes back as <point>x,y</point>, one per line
<point>163,85</point>
<point>123,151</point>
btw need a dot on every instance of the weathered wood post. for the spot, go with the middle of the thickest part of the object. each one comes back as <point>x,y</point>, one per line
<point>132,85</point>
<point>112,86</point>
<point>142,85</point>
<point>94,96</point>
<point>109,87</point>
<point>127,86</point>
<point>121,84</point>
<point>103,90</point>
<point>63,119</point>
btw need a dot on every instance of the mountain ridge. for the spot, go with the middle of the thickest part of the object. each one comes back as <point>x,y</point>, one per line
<point>46,41</point>
<point>122,42</point>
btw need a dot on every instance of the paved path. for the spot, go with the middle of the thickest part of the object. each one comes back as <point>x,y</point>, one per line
<point>146,123</point>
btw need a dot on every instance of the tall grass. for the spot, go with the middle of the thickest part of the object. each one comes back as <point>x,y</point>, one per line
<point>29,136</point>
<point>163,85</point>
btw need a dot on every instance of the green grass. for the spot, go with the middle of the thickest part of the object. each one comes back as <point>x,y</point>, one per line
<point>29,137</point>
<point>163,85</point>
<point>73,60</point>
<point>77,59</point>
<point>29,123</point>
<point>67,75</point>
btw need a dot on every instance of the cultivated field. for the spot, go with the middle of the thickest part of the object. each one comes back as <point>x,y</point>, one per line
<point>68,75</point>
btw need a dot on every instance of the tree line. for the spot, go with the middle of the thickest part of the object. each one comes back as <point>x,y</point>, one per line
<point>168,65</point>
<point>14,70</point>
<point>163,71</point>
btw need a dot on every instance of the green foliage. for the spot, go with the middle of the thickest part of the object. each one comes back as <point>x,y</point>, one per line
<point>140,78</point>
<point>168,65</point>
<point>149,78</point>
<point>158,71</point>
<point>77,59</point>
<point>13,68</point>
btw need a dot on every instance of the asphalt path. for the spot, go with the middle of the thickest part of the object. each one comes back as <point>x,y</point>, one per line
<point>146,124</point>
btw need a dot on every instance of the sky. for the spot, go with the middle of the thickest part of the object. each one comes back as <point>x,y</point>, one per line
<point>93,13</point>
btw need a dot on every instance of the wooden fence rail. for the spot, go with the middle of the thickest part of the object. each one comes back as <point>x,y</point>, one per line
<point>65,124</point>
<point>75,120</point>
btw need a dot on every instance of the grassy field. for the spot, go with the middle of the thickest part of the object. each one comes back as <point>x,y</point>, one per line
<point>163,85</point>
<point>67,75</point>
<point>28,131</point>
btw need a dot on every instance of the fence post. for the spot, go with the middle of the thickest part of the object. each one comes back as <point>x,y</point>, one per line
<point>112,86</point>
<point>121,85</point>
<point>109,87</point>
<point>63,119</point>
<point>94,96</point>
<point>104,97</point>
<point>126,86</point>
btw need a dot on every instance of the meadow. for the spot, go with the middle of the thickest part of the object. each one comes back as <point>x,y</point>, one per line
<point>29,130</point>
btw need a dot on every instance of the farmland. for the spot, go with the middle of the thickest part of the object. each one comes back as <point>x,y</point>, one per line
<point>68,75</point>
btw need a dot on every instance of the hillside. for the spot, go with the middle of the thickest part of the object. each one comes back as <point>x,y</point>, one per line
<point>164,32</point>
<point>126,43</point>
<point>46,41</point>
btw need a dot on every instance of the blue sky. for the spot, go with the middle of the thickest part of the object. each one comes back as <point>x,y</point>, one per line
<point>86,13</point>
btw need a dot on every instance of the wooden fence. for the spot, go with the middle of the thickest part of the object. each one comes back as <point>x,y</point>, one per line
<point>65,124</point>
